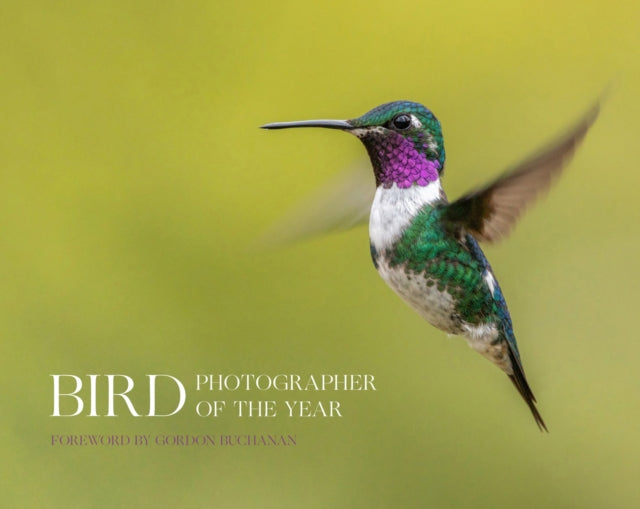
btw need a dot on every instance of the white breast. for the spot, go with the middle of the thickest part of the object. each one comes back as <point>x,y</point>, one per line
<point>393,209</point>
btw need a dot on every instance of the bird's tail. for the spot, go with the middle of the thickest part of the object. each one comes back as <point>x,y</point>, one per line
<point>520,383</point>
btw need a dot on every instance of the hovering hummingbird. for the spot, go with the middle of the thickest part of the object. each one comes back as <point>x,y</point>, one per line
<point>425,247</point>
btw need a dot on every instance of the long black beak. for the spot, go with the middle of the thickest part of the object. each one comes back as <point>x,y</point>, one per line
<point>330,124</point>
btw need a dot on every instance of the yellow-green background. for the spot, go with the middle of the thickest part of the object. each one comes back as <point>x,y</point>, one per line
<point>134,180</point>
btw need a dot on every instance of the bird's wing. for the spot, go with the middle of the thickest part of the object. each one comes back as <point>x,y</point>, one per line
<point>490,212</point>
<point>342,203</point>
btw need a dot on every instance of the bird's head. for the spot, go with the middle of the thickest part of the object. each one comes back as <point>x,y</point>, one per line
<point>403,139</point>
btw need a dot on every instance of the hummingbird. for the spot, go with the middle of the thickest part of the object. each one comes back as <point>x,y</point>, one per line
<point>427,248</point>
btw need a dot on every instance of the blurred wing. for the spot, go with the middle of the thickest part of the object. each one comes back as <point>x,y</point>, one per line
<point>342,203</point>
<point>489,213</point>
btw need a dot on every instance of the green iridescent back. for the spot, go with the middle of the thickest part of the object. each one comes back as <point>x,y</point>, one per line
<point>427,248</point>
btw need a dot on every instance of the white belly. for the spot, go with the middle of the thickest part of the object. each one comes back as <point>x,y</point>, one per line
<point>422,294</point>
<point>438,308</point>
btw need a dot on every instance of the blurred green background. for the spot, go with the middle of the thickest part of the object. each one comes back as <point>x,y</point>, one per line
<point>134,181</point>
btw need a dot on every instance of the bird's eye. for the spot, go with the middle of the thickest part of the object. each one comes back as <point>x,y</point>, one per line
<point>402,121</point>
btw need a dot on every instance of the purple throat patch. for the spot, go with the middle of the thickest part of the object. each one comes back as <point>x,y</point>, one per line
<point>401,163</point>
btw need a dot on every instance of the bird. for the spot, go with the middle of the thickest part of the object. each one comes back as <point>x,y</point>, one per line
<point>426,248</point>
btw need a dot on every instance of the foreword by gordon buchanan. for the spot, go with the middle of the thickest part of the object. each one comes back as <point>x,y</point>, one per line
<point>113,395</point>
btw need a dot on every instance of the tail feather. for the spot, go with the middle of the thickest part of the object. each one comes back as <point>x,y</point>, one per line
<point>520,382</point>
